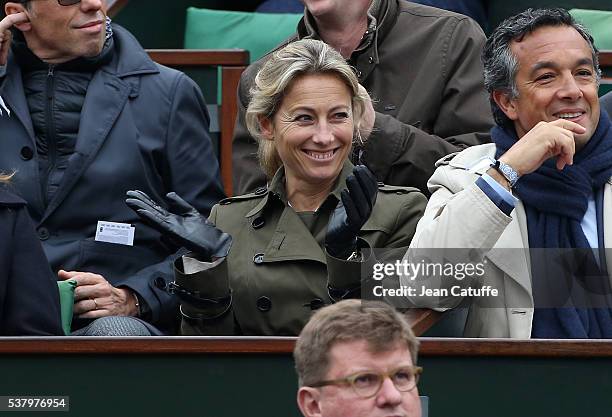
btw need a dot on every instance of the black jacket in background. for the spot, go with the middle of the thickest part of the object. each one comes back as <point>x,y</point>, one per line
<point>29,300</point>
<point>142,126</point>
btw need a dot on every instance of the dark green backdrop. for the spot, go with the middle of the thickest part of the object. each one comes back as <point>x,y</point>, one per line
<point>226,385</point>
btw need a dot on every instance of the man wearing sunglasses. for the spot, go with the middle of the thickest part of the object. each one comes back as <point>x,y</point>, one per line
<point>85,116</point>
<point>357,359</point>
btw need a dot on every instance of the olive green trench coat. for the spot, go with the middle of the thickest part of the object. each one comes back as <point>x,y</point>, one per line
<point>277,271</point>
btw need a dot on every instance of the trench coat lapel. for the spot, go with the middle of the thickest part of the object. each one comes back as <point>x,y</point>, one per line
<point>292,241</point>
<point>14,97</point>
<point>106,97</point>
<point>509,253</point>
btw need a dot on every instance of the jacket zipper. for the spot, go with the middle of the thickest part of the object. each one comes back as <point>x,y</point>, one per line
<point>50,124</point>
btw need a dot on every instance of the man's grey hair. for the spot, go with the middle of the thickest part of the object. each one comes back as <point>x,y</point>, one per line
<point>501,65</point>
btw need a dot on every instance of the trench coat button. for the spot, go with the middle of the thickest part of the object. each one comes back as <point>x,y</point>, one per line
<point>371,60</point>
<point>258,258</point>
<point>258,223</point>
<point>261,191</point>
<point>264,304</point>
<point>160,283</point>
<point>315,304</point>
<point>26,153</point>
<point>43,233</point>
<point>359,74</point>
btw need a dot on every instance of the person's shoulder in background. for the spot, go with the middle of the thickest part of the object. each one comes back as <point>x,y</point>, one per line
<point>476,9</point>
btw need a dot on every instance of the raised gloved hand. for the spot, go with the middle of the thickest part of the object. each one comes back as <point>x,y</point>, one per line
<point>351,213</point>
<point>184,224</point>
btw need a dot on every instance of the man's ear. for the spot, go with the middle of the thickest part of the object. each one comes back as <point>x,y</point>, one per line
<point>308,400</point>
<point>267,127</point>
<point>14,8</point>
<point>506,104</point>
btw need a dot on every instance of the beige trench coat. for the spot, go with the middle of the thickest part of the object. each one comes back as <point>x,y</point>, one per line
<point>460,215</point>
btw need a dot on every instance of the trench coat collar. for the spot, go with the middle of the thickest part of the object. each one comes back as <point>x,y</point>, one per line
<point>277,192</point>
<point>291,239</point>
<point>119,80</point>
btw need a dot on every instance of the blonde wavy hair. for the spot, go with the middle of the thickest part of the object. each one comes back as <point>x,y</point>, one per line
<point>304,57</point>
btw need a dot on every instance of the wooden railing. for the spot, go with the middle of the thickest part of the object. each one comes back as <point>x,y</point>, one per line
<point>284,345</point>
<point>232,62</point>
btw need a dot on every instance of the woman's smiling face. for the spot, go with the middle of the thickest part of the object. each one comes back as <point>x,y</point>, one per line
<point>313,128</point>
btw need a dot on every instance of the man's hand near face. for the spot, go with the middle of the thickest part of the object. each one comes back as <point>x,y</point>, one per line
<point>545,140</point>
<point>95,297</point>
<point>6,35</point>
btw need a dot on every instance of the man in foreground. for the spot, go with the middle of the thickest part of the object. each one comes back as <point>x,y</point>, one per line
<point>420,65</point>
<point>357,359</point>
<point>91,116</point>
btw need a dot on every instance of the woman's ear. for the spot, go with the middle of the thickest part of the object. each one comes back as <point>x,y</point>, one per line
<point>18,8</point>
<point>267,127</point>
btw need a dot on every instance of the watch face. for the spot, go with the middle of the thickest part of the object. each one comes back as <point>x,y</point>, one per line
<point>510,174</point>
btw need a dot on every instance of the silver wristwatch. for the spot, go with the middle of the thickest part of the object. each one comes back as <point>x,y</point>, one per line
<point>506,171</point>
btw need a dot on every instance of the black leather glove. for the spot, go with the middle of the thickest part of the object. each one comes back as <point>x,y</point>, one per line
<point>184,224</point>
<point>351,213</point>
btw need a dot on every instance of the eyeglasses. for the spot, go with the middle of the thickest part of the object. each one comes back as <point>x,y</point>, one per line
<point>367,384</point>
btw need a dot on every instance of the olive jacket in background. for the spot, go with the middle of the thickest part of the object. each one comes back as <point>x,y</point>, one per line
<point>422,67</point>
<point>277,269</point>
<point>29,298</point>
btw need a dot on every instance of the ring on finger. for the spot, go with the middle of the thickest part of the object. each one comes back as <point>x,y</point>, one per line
<point>95,303</point>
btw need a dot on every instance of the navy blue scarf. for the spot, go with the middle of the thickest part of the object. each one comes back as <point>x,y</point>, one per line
<point>555,202</point>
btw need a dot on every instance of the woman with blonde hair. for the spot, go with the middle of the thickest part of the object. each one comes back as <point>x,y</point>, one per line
<point>29,300</point>
<point>264,261</point>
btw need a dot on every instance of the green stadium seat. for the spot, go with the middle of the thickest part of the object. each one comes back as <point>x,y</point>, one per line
<point>599,22</point>
<point>219,29</point>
